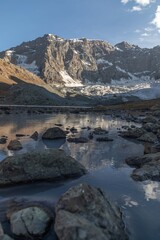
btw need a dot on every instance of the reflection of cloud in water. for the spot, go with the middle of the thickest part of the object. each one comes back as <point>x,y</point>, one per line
<point>152,190</point>
<point>129,202</point>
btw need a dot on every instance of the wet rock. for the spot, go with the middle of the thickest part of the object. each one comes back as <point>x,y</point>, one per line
<point>78,140</point>
<point>14,145</point>
<point>3,236</point>
<point>35,166</point>
<point>148,137</point>
<point>3,140</point>
<point>30,222</point>
<point>84,212</point>
<point>34,136</point>
<point>104,139</point>
<point>54,133</point>
<point>99,131</point>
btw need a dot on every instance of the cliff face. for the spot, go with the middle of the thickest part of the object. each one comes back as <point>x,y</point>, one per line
<point>80,61</point>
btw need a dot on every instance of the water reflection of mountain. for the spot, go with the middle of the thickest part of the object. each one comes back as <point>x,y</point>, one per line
<point>92,154</point>
<point>95,155</point>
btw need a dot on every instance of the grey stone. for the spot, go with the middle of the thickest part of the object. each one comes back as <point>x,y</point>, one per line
<point>84,212</point>
<point>37,166</point>
<point>31,221</point>
<point>54,133</point>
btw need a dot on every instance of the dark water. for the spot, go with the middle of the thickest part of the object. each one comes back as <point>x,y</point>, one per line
<point>140,202</point>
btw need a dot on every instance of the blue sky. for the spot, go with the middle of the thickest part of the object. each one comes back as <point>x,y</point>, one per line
<point>135,21</point>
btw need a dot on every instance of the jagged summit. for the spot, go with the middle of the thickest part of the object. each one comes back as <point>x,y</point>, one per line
<point>126,46</point>
<point>77,62</point>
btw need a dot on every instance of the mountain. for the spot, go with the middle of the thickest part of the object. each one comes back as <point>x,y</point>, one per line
<point>79,61</point>
<point>88,67</point>
<point>19,86</point>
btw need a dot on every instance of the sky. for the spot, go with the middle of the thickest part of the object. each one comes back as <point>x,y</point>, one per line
<point>134,21</point>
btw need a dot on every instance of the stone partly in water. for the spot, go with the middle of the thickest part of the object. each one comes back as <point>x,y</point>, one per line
<point>30,222</point>
<point>34,136</point>
<point>37,166</point>
<point>14,145</point>
<point>149,171</point>
<point>147,167</point>
<point>3,140</point>
<point>85,213</point>
<point>54,133</point>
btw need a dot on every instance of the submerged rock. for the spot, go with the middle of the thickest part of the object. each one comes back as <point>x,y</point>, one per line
<point>54,133</point>
<point>30,222</point>
<point>37,166</point>
<point>104,139</point>
<point>85,213</point>
<point>14,145</point>
<point>78,140</point>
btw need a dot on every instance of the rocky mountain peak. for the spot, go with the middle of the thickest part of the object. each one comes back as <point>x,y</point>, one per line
<point>125,46</point>
<point>77,62</point>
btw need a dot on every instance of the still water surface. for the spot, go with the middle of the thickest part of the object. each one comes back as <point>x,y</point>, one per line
<point>105,161</point>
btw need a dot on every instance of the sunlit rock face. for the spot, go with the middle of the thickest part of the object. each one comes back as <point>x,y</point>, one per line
<point>78,62</point>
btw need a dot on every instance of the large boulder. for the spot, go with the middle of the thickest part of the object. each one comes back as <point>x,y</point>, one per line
<point>54,133</point>
<point>14,145</point>
<point>35,166</point>
<point>30,222</point>
<point>85,213</point>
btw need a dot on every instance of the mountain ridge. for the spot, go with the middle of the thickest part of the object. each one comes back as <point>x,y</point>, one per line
<point>77,62</point>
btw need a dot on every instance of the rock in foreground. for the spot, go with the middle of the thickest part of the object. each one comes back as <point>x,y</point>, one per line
<point>85,213</point>
<point>37,166</point>
<point>31,221</point>
<point>54,133</point>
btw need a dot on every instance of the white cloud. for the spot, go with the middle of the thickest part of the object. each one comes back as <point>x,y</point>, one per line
<point>124,1</point>
<point>141,3</point>
<point>145,34</point>
<point>156,20</point>
<point>144,2</point>
<point>136,9</point>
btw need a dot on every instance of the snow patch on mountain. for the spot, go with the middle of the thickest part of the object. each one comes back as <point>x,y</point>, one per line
<point>22,62</point>
<point>69,81</point>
